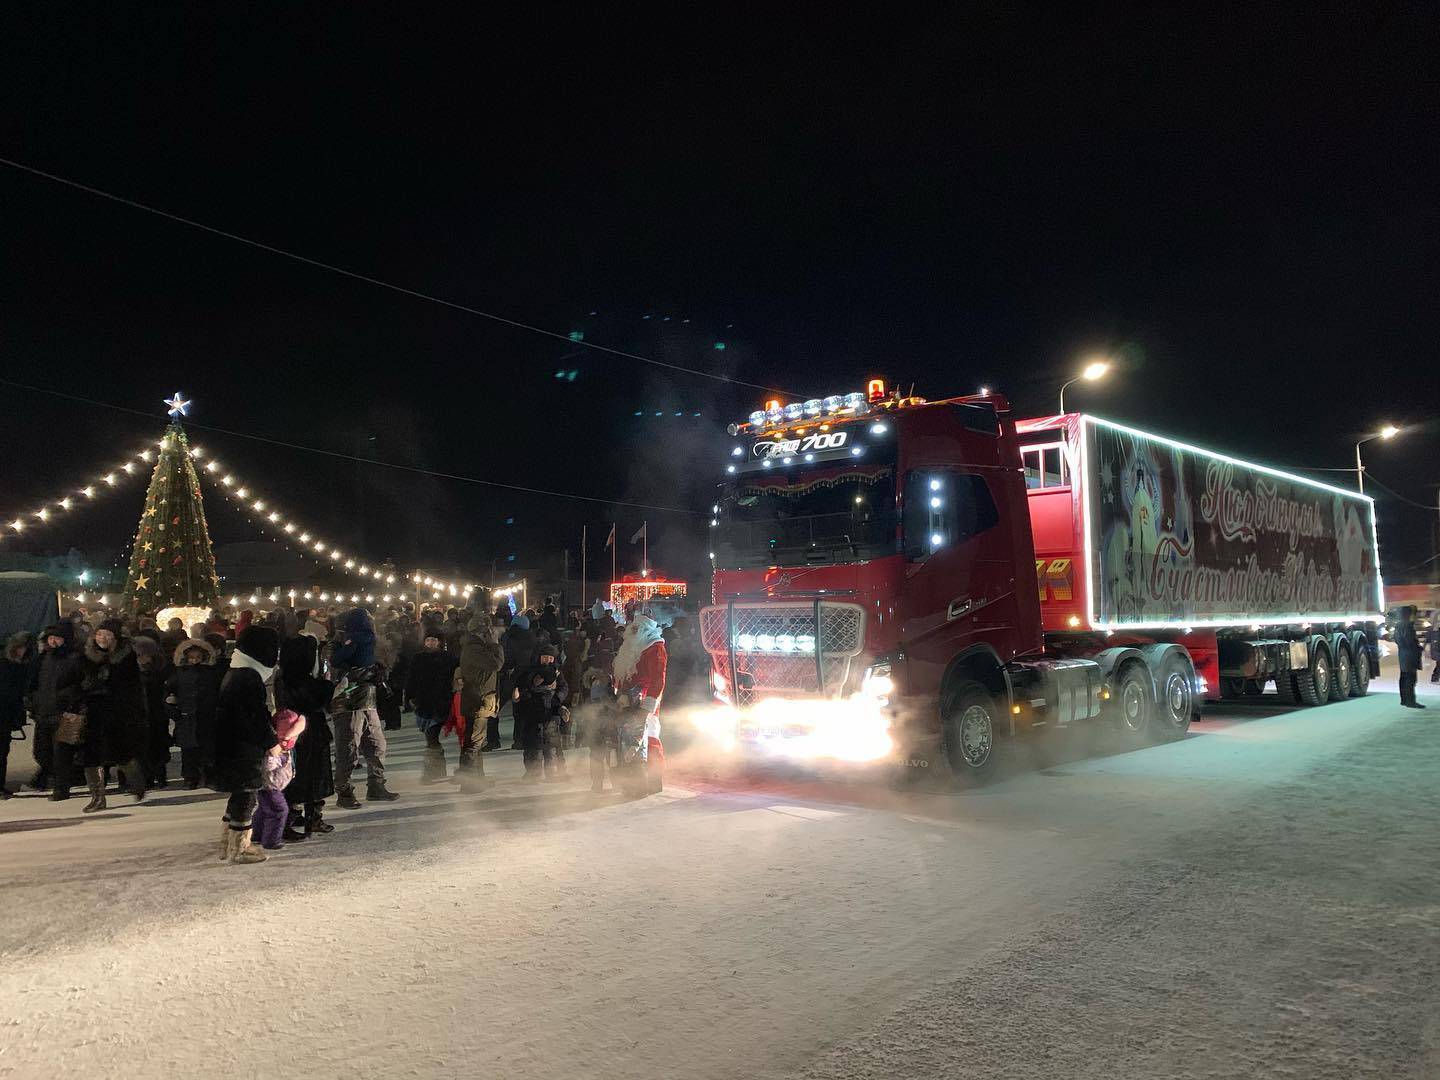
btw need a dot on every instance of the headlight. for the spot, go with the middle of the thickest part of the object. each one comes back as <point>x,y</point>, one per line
<point>878,682</point>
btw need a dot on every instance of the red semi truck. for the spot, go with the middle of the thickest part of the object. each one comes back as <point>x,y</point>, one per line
<point>873,591</point>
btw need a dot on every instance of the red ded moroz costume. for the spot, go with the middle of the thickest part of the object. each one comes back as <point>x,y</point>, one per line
<point>640,671</point>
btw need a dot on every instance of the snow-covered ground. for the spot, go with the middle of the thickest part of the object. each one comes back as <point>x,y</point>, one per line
<point>1259,899</point>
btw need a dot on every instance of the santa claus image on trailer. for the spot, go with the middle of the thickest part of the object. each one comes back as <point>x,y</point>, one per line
<point>640,666</point>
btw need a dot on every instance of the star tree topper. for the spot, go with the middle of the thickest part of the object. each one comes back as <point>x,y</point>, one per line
<point>178,406</point>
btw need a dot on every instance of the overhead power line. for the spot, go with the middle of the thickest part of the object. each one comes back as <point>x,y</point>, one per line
<point>1370,478</point>
<point>354,457</point>
<point>403,290</point>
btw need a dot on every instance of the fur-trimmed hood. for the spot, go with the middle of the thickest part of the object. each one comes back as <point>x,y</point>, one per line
<point>194,643</point>
<point>17,649</point>
<point>97,655</point>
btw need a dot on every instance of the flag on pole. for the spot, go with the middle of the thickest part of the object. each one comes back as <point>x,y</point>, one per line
<point>610,540</point>
<point>640,534</point>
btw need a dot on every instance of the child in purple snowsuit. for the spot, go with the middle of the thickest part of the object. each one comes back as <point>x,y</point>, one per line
<point>272,811</point>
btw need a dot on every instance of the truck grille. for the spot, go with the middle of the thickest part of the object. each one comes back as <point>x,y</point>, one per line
<point>780,647</point>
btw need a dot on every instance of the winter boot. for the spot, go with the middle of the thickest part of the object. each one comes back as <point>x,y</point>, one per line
<point>294,822</point>
<point>244,852</point>
<point>136,776</point>
<point>432,767</point>
<point>227,841</point>
<point>41,780</point>
<point>93,777</point>
<point>59,794</point>
<point>345,799</point>
<point>315,821</point>
<point>376,791</point>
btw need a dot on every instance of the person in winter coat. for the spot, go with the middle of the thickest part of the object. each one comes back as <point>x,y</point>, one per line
<point>154,674</point>
<point>481,660</point>
<point>540,713</point>
<point>116,732</point>
<point>388,703</point>
<point>277,771</point>
<point>577,649</point>
<point>244,735</point>
<point>54,691</point>
<point>173,637</point>
<point>190,696</point>
<point>432,687</point>
<point>519,643</point>
<point>1407,642</point>
<point>14,679</point>
<point>358,729</point>
<point>303,690</point>
<point>549,621</point>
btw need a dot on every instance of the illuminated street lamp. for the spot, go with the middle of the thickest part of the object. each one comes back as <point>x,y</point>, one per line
<point>1094,370</point>
<point>1389,431</point>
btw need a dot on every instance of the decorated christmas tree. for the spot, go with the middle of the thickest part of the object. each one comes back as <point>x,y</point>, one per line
<point>172,565</point>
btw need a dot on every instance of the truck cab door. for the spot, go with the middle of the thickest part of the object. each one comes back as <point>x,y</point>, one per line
<point>960,585</point>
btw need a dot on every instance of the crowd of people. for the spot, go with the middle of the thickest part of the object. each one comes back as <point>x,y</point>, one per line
<point>277,709</point>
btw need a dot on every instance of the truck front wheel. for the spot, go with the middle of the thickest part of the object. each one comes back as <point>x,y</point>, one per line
<point>970,725</point>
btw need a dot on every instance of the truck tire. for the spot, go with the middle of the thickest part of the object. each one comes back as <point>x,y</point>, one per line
<point>1133,710</point>
<point>971,730</point>
<point>1285,691</point>
<point>1313,682</point>
<point>1344,674</point>
<point>1175,703</point>
<point>1360,673</point>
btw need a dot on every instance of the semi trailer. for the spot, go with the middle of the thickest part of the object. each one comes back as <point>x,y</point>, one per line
<point>928,580</point>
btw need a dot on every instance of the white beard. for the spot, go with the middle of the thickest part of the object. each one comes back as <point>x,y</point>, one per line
<point>639,636</point>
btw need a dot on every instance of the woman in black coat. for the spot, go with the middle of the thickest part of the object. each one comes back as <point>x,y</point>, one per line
<point>191,695</point>
<point>301,688</point>
<point>244,734</point>
<point>115,729</point>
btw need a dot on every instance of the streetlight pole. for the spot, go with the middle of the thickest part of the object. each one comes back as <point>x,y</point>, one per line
<point>1389,431</point>
<point>1094,370</point>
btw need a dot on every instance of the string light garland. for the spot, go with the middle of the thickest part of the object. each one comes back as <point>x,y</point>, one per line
<point>230,484</point>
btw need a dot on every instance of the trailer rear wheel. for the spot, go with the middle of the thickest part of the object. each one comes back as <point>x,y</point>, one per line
<point>1344,673</point>
<point>1176,703</point>
<point>970,727</point>
<point>1132,710</point>
<point>1285,690</point>
<point>1361,673</point>
<point>1313,683</point>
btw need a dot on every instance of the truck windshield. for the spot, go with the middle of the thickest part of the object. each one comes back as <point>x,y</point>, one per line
<point>835,514</point>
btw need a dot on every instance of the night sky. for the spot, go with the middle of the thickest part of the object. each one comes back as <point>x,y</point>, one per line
<point>1245,213</point>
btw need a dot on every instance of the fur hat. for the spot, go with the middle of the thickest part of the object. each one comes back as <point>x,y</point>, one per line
<point>65,630</point>
<point>288,726</point>
<point>146,647</point>
<point>260,643</point>
<point>115,626</point>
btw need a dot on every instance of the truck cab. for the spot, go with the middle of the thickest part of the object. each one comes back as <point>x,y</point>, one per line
<point>873,553</point>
